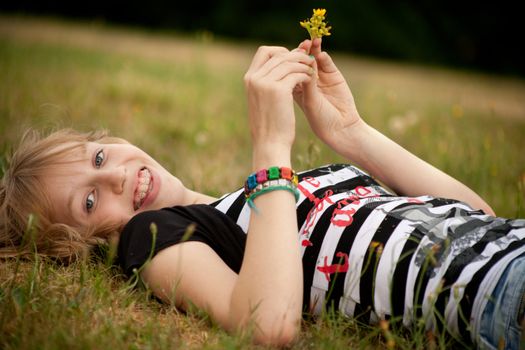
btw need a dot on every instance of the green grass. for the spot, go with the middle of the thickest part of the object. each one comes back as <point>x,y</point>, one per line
<point>182,100</point>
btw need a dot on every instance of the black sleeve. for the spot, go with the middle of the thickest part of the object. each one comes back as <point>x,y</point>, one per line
<point>213,228</point>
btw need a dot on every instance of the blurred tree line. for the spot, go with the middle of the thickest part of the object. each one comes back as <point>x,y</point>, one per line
<point>476,35</point>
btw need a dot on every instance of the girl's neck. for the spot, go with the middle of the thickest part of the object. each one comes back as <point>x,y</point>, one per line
<point>200,198</point>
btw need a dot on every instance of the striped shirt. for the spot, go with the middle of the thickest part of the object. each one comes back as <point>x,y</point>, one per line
<point>373,255</point>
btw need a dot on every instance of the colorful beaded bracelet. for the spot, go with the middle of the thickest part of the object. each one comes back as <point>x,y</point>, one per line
<point>287,186</point>
<point>272,173</point>
<point>271,179</point>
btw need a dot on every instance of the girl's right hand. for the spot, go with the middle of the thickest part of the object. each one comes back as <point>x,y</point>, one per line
<point>326,100</point>
<point>270,81</point>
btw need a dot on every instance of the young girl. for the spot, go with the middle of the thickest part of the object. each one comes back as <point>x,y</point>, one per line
<point>326,238</point>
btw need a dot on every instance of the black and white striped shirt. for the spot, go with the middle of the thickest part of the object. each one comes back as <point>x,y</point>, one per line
<point>372,255</point>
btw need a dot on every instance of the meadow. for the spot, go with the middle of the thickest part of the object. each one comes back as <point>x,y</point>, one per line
<point>181,99</point>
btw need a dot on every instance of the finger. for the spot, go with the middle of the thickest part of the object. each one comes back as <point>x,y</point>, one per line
<point>263,54</point>
<point>305,45</point>
<point>280,60</point>
<point>325,63</point>
<point>315,48</point>
<point>286,68</point>
<point>301,48</point>
<point>310,90</point>
<point>298,90</point>
<point>292,80</point>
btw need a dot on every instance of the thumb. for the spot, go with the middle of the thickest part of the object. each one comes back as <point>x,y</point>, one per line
<point>325,63</point>
<point>310,90</point>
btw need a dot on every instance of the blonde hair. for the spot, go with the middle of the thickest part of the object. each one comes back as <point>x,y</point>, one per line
<point>23,198</point>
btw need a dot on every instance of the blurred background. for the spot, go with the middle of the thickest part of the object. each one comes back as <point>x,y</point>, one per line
<point>477,35</point>
<point>445,79</point>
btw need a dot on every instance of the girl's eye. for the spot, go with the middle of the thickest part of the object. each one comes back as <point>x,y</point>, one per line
<point>99,158</point>
<point>90,202</point>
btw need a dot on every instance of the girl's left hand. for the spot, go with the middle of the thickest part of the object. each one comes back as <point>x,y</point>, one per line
<point>270,81</point>
<point>326,100</point>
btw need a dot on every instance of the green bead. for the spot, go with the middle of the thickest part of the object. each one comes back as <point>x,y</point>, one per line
<point>273,173</point>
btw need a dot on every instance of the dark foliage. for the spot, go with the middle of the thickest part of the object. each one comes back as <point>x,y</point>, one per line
<point>477,35</point>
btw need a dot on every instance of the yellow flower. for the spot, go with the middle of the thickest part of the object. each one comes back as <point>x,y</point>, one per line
<point>316,26</point>
<point>319,12</point>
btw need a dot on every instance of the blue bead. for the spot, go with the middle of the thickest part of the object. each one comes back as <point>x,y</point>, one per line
<point>252,181</point>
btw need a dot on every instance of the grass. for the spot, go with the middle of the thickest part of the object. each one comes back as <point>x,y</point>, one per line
<point>182,100</point>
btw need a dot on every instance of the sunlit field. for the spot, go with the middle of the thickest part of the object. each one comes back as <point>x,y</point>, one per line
<point>181,99</point>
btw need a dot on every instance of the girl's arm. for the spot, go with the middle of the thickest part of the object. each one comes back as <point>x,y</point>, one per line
<point>330,109</point>
<point>266,296</point>
<point>401,170</point>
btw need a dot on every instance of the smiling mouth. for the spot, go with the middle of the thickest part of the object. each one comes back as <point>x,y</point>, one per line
<point>144,187</point>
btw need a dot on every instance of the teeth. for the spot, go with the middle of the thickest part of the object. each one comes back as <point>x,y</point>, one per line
<point>143,188</point>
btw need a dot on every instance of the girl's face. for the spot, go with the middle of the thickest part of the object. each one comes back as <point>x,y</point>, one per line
<point>110,183</point>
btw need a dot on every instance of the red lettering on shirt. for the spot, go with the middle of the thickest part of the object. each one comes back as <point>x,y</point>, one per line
<point>345,217</point>
<point>362,192</point>
<point>306,193</point>
<point>306,243</point>
<point>331,269</point>
<point>316,209</point>
<point>340,217</point>
<point>312,181</point>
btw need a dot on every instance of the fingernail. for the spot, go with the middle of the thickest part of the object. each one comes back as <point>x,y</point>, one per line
<point>311,56</point>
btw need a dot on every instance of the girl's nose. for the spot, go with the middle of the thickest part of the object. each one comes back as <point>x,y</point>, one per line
<point>114,178</point>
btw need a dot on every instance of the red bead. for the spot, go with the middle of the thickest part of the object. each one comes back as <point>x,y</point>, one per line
<point>262,176</point>
<point>286,173</point>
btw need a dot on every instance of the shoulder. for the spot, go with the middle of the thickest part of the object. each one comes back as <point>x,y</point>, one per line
<point>159,222</point>
<point>149,232</point>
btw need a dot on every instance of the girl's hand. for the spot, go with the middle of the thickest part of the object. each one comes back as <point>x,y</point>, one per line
<point>270,81</point>
<point>330,109</point>
<point>326,99</point>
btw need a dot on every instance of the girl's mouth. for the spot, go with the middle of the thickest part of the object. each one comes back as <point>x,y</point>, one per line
<point>144,187</point>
